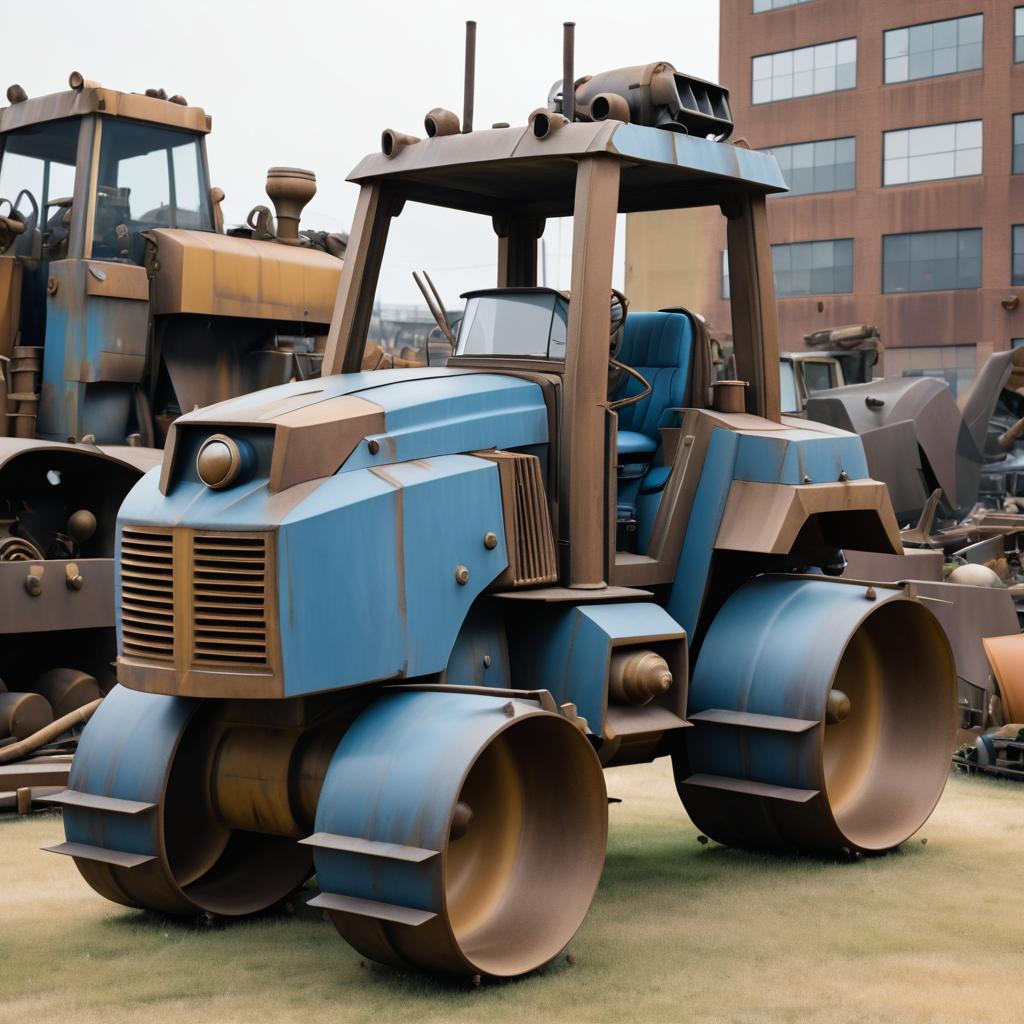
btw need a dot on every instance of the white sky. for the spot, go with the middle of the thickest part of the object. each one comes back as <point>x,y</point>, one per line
<point>312,83</point>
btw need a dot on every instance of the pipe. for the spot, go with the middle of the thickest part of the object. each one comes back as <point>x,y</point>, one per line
<point>78,82</point>
<point>392,143</point>
<point>568,75</point>
<point>24,747</point>
<point>470,78</point>
<point>441,122</point>
<point>544,123</point>
<point>1010,437</point>
<point>609,106</point>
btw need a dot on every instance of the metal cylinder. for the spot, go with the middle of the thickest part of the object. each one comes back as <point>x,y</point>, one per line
<point>568,74</point>
<point>289,189</point>
<point>469,81</point>
<point>22,714</point>
<point>822,720</point>
<point>66,689</point>
<point>729,395</point>
<point>637,676</point>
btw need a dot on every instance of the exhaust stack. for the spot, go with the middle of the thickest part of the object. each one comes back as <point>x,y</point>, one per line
<point>470,78</point>
<point>568,74</point>
<point>290,189</point>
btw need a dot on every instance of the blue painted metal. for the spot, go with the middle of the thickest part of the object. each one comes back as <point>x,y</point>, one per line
<point>366,561</point>
<point>95,349</point>
<point>797,455</point>
<point>755,771</point>
<point>567,649</point>
<point>702,156</point>
<point>393,784</point>
<point>779,456</point>
<point>125,752</point>
<point>436,415</point>
<point>687,595</point>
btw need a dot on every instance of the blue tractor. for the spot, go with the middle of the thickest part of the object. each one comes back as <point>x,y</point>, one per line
<point>389,627</point>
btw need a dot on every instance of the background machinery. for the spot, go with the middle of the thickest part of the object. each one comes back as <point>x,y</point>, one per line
<point>390,626</point>
<point>122,303</point>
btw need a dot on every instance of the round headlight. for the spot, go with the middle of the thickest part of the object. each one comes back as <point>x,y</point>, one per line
<point>219,462</point>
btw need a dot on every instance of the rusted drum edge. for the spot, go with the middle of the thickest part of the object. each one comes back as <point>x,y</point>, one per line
<point>371,908</point>
<point>354,844</point>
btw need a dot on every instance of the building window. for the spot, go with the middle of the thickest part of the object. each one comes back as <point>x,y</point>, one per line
<point>954,364</point>
<point>1018,34</point>
<point>1017,343</point>
<point>931,261</point>
<point>774,5</point>
<point>934,152</point>
<point>934,48</point>
<point>725,274</point>
<point>808,167</point>
<point>1018,143</point>
<point>1017,269</point>
<point>808,71</point>
<point>813,268</point>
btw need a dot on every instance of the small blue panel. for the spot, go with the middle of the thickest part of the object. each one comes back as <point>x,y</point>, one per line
<point>779,460</point>
<point>434,415</point>
<point>691,578</point>
<point>699,155</point>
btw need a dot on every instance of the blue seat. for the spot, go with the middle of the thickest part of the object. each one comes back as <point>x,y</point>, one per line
<point>659,346</point>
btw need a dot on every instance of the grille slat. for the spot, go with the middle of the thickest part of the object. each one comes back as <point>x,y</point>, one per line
<point>147,623</point>
<point>229,621</point>
<point>226,599</point>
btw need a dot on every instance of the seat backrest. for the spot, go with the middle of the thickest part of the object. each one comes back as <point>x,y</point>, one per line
<point>659,346</point>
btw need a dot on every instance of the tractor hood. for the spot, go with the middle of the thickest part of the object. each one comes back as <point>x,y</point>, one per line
<point>309,430</point>
<point>360,501</point>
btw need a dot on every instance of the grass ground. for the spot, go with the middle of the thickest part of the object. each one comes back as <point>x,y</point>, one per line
<point>678,932</point>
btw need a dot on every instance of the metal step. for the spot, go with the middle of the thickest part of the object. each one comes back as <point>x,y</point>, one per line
<point>368,847</point>
<point>748,787</point>
<point>752,720</point>
<point>92,802</point>
<point>371,908</point>
<point>83,851</point>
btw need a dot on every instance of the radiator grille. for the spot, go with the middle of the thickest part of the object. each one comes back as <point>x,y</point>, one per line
<point>147,598</point>
<point>229,592</point>
<point>531,546</point>
<point>218,617</point>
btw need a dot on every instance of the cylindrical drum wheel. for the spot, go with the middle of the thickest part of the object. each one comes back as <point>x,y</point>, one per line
<point>139,820</point>
<point>824,718</point>
<point>460,833</point>
<point>22,714</point>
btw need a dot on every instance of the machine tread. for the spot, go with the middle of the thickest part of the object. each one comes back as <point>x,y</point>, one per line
<point>749,787</point>
<point>752,720</point>
<point>371,908</point>
<point>368,847</point>
<point>94,802</point>
<point>119,858</point>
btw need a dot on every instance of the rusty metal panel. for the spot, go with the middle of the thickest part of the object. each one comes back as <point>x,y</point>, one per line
<point>109,102</point>
<point>57,605</point>
<point>220,275</point>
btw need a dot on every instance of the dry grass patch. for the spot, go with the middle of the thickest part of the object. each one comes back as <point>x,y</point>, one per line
<point>679,931</point>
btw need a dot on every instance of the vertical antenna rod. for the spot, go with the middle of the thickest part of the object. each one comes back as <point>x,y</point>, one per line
<point>468,85</point>
<point>568,76</point>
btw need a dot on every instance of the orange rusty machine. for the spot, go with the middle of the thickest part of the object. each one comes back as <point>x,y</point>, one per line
<point>389,626</point>
<point>122,303</point>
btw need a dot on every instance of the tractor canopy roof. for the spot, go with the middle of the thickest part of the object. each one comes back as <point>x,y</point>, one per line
<point>492,171</point>
<point>92,98</point>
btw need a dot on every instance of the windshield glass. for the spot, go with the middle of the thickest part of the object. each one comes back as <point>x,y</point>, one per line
<point>38,165</point>
<point>787,386</point>
<point>149,177</point>
<point>818,376</point>
<point>514,324</point>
